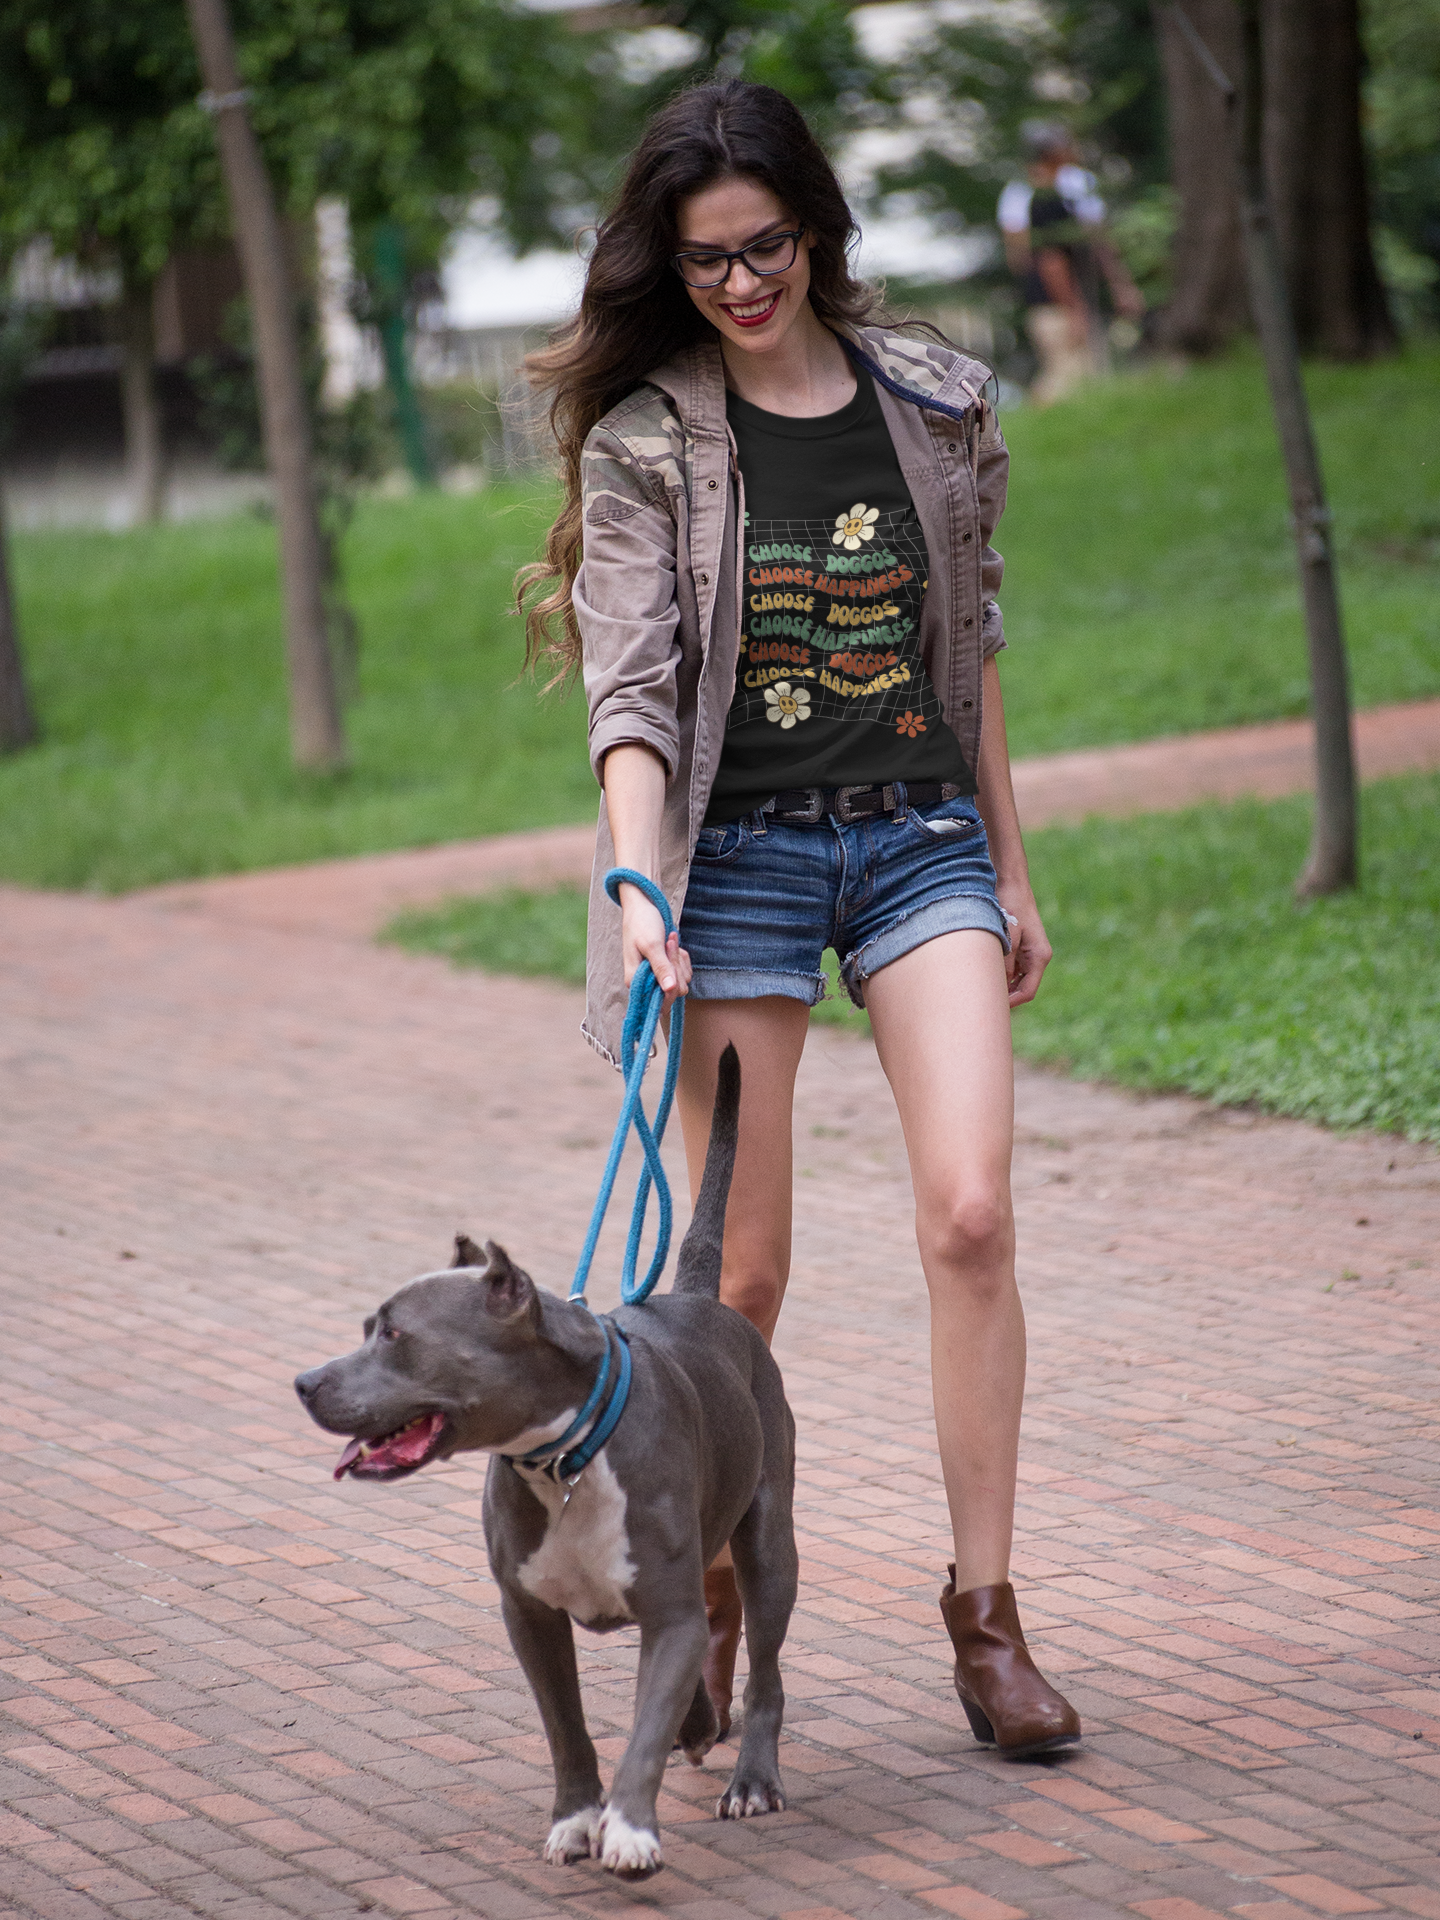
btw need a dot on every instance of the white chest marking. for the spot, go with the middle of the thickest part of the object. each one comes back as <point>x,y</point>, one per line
<point>583,1564</point>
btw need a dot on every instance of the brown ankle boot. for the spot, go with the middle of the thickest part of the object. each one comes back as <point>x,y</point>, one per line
<point>726,1617</point>
<point>1009,1704</point>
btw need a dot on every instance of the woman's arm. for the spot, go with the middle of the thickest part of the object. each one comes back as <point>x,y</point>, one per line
<point>634,781</point>
<point>1029,949</point>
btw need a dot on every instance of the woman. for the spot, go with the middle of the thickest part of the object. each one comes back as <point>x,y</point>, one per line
<point>773,568</point>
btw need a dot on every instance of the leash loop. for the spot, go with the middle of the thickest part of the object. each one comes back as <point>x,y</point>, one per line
<point>642,1019</point>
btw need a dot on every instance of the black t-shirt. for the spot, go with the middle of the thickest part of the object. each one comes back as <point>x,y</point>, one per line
<point>830,689</point>
<point>1053,223</point>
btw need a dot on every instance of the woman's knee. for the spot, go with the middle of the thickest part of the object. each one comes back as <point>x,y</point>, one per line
<point>971,1231</point>
<point>755,1289</point>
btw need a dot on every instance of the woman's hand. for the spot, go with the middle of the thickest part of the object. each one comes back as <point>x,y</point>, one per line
<point>642,935</point>
<point>1030,951</point>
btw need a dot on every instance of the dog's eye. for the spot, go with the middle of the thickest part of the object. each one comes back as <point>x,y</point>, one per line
<point>389,1333</point>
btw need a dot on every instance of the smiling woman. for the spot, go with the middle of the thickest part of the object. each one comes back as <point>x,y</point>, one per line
<point>773,565</point>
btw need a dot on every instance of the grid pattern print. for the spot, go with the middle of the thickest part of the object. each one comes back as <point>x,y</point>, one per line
<point>836,619</point>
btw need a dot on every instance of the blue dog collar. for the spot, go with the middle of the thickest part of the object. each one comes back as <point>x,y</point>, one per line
<point>557,1457</point>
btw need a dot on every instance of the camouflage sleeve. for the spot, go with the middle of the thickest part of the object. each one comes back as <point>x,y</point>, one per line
<point>625,604</point>
<point>992,476</point>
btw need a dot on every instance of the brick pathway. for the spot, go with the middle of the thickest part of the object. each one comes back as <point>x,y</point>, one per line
<point>230,1687</point>
<point>357,896</point>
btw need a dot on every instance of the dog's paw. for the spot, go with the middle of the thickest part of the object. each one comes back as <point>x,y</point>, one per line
<point>700,1729</point>
<point>574,1837</point>
<point>622,1848</point>
<point>744,1798</point>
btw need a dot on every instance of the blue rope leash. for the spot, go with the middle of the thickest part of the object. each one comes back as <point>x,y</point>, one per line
<point>642,1018</point>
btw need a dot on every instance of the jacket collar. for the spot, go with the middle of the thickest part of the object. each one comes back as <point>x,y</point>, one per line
<point>922,372</point>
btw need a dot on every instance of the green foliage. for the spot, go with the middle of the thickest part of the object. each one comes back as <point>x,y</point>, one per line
<point>406,110</point>
<point>508,931</point>
<point>1402,101</point>
<point>1089,64</point>
<point>1150,589</point>
<point>1181,959</point>
<point>157,665</point>
<point>808,49</point>
<point>102,146</point>
<point>1150,580</point>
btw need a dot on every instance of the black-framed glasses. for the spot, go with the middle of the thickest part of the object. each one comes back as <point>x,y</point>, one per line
<point>711,268</point>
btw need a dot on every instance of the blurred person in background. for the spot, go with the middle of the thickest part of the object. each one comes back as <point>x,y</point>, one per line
<point>1053,225</point>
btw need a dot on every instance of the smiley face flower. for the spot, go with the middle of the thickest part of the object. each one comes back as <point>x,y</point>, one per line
<point>787,704</point>
<point>853,527</point>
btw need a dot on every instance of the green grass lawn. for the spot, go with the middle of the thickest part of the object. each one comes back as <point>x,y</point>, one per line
<point>1181,958</point>
<point>1150,589</point>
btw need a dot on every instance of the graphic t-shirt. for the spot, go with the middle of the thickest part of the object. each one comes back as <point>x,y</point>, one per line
<point>830,689</point>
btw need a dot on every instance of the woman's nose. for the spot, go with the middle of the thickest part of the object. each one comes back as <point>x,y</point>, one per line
<point>742,282</point>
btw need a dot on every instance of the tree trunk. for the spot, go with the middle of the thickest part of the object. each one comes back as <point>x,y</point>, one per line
<point>1314,170</point>
<point>1209,305</point>
<point>17,721</point>
<point>1333,862</point>
<point>144,432</point>
<point>1316,173</point>
<point>317,736</point>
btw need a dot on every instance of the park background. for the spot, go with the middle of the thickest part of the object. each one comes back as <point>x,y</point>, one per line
<point>437,170</point>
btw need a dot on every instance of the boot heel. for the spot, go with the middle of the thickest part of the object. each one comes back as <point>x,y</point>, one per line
<point>979,1725</point>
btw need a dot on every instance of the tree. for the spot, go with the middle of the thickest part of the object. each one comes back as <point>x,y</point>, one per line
<point>1315,172</point>
<point>317,736</point>
<point>19,337</point>
<point>103,152</point>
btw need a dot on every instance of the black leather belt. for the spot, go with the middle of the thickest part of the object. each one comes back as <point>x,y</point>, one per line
<point>809,804</point>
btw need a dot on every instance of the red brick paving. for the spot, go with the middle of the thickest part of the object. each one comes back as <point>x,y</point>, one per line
<point>230,1687</point>
<point>356,897</point>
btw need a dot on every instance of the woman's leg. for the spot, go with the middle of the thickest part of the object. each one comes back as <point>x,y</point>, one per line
<point>942,1028</point>
<point>769,1036</point>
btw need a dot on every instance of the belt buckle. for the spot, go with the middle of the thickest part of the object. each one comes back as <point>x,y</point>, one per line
<point>813,810</point>
<point>842,803</point>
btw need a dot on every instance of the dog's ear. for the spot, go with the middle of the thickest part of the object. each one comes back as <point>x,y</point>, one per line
<point>509,1293</point>
<point>467,1254</point>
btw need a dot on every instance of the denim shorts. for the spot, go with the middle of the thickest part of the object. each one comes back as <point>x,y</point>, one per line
<point>766,899</point>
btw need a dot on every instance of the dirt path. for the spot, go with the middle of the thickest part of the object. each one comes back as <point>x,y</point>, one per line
<point>230,1687</point>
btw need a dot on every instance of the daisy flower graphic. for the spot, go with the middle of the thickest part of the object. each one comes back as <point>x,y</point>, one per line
<point>853,527</point>
<point>787,704</point>
<point>910,724</point>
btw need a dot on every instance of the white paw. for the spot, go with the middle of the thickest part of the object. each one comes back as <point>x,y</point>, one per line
<point>626,1849</point>
<point>574,1837</point>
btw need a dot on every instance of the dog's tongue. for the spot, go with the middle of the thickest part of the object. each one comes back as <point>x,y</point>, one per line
<point>403,1449</point>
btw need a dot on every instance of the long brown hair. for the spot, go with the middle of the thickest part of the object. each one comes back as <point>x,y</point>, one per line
<point>635,313</point>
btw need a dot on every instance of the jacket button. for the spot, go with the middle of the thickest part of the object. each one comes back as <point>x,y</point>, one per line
<point>712,484</point>
<point>969,618</point>
<point>950,446</point>
<point>704,580</point>
<point>966,538</point>
<point>967,704</point>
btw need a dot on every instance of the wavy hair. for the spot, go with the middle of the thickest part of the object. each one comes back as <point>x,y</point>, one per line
<point>635,312</point>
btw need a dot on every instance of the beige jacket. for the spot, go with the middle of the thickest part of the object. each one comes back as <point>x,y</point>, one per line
<point>658,597</point>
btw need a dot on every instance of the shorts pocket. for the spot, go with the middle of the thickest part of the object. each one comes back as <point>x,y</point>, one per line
<point>718,845</point>
<point>951,820</point>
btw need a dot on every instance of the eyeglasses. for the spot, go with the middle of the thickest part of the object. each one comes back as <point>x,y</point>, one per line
<point>773,254</point>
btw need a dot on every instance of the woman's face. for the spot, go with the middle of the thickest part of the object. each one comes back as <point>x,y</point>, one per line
<point>749,310</point>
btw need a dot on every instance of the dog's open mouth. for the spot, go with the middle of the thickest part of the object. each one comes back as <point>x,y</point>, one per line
<point>393,1453</point>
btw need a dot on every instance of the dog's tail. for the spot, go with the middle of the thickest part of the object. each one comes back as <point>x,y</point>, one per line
<point>698,1268</point>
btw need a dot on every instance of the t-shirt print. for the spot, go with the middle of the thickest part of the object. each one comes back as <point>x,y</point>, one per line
<point>832,611</point>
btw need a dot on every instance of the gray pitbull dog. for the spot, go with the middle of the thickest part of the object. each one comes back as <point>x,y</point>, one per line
<point>477,1357</point>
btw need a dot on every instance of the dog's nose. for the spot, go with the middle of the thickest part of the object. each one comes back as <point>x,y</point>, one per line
<point>307,1383</point>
